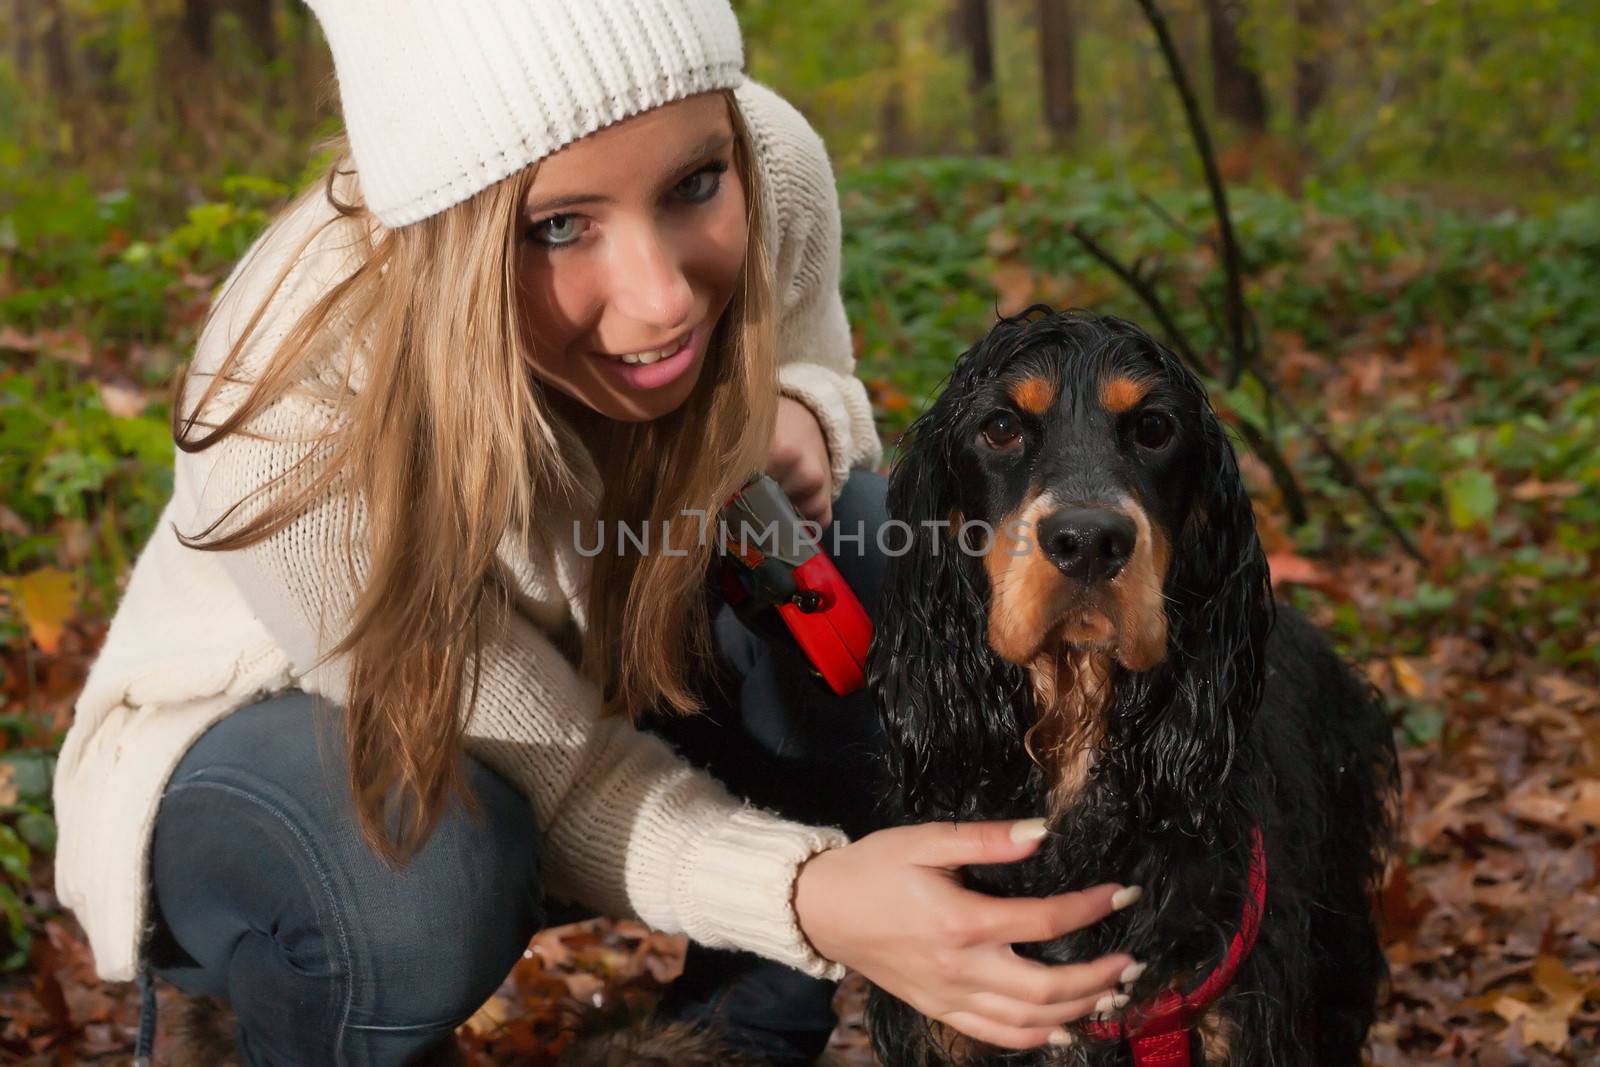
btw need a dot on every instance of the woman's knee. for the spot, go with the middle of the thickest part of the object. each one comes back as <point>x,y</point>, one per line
<point>258,861</point>
<point>447,928</point>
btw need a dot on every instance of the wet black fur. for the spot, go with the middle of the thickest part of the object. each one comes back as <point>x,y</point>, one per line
<point>1250,720</point>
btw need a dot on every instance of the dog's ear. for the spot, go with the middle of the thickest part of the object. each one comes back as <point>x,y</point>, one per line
<point>1181,725</point>
<point>950,706</point>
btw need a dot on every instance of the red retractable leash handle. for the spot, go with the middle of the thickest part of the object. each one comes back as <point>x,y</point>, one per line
<point>769,557</point>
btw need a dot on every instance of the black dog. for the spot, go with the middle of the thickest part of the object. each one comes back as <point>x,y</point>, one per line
<point>1112,658</point>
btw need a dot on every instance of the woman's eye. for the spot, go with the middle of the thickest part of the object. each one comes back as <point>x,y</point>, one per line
<point>1154,430</point>
<point>1001,430</point>
<point>702,185</point>
<point>557,230</point>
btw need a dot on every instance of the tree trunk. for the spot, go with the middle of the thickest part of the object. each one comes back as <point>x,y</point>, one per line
<point>197,18</point>
<point>257,18</point>
<point>1235,86</point>
<point>22,42</point>
<point>1058,66</point>
<point>1312,52</point>
<point>57,56</point>
<point>973,33</point>
<point>894,138</point>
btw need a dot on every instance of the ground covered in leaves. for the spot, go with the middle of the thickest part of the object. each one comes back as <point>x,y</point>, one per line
<point>1449,357</point>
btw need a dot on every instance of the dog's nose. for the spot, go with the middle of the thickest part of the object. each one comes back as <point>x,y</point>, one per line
<point>1089,544</point>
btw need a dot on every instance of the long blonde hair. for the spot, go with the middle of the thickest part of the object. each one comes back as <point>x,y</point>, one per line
<point>452,445</point>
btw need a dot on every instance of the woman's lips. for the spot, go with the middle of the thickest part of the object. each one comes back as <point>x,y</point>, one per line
<point>662,372</point>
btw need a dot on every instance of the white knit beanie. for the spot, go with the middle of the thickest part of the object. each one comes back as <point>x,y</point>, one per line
<point>443,98</point>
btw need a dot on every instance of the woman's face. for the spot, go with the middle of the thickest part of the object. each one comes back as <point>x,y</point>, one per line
<point>633,241</point>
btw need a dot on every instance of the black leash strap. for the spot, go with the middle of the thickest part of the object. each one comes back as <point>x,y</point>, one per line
<point>146,1042</point>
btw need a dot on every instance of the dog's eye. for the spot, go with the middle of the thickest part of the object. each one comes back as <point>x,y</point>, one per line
<point>1154,430</point>
<point>1001,430</point>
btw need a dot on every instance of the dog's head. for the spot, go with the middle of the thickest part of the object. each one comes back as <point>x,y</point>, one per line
<point>1084,580</point>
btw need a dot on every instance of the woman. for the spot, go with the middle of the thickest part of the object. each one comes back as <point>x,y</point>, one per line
<point>365,707</point>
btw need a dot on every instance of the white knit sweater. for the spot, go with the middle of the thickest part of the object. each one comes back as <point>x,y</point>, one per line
<point>626,827</point>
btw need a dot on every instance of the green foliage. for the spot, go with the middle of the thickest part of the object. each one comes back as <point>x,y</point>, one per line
<point>29,828</point>
<point>65,459</point>
<point>78,265</point>
<point>1503,80</point>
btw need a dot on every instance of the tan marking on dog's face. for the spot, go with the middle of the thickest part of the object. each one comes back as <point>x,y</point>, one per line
<point>1070,648</point>
<point>1024,586</point>
<point>1122,393</point>
<point>1034,394</point>
<point>1141,607</point>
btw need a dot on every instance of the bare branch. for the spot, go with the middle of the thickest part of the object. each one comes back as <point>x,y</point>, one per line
<point>1166,216</point>
<point>1145,291</point>
<point>1343,469</point>
<point>1240,339</point>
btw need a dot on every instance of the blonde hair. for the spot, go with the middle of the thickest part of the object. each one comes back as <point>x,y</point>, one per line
<point>451,445</point>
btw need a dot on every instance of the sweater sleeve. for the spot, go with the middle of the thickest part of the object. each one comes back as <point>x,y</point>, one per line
<point>816,360</point>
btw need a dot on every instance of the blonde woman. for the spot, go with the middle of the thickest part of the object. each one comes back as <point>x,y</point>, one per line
<point>366,708</point>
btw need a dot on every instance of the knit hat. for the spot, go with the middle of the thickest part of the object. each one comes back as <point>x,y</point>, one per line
<point>443,98</point>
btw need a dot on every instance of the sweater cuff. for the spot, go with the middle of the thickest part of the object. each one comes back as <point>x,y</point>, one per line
<point>843,411</point>
<point>736,890</point>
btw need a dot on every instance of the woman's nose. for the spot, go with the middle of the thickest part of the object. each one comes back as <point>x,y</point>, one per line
<point>649,283</point>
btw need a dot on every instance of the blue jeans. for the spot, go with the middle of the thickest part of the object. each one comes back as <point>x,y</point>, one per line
<point>264,893</point>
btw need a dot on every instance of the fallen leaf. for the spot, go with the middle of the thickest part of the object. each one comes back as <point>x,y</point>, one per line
<point>491,1016</point>
<point>12,523</point>
<point>1539,807</point>
<point>1286,569</point>
<point>13,340</point>
<point>1535,489</point>
<point>1013,287</point>
<point>122,400</point>
<point>1446,813</point>
<point>1567,692</point>
<point>1001,242</point>
<point>1586,806</point>
<point>1407,677</point>
<point>46,599</point>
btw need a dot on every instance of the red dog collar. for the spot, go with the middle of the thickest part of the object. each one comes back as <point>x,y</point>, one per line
<point>1158,1032</point>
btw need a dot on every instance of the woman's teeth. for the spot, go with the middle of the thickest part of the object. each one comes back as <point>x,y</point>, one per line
<point>652,357</point>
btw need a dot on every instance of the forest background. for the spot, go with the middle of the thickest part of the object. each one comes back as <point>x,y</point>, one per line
<point>1412,204</point>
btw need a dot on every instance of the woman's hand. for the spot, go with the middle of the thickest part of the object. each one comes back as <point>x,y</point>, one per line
<point>890,906</point>
<point>798,461</point>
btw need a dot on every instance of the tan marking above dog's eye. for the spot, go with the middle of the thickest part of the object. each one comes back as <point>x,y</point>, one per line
<point>1123,394</point>
<point>1034,395</point>
<point>1001,430</point>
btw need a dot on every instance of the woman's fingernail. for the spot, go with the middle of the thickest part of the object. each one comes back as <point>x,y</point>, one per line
<point>1061,1037</point>
<point>1028,830</point>
<point>1131,973</point>
<point>1110,1003</point>
<point>1128,894</point>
